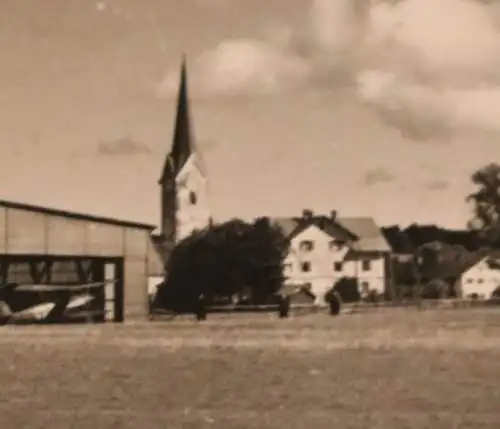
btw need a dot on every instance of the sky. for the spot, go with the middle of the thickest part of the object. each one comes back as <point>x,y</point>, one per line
<point>372,108</point>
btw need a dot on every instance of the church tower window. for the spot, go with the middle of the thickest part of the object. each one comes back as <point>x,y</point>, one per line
<point>192,197</point>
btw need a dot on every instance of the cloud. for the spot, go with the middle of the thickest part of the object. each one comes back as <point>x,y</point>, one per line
<point>429,68</point>
<point>122,146</point>
<point>376,176</point>
<point>242,66</point>
<point>438,185</point>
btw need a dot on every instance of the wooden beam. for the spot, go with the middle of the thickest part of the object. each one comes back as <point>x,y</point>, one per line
<point>85,270</point>
<point>38,271</point>
<point>4,271</point>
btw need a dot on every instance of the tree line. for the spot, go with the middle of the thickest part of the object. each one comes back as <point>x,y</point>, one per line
<point>441,255</point>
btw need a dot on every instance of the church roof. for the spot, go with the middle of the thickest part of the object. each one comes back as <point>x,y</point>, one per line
<point>183,144</point>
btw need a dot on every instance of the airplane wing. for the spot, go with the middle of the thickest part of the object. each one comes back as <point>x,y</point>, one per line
<point>79,301</point>
<point>68,288</point>
<point>37,312</point>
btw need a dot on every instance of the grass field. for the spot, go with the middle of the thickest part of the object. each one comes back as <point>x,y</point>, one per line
<point>388,369</point>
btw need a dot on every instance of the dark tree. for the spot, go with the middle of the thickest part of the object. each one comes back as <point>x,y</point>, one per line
<point>222,261</point>
<point>496,293</point>
<point>486,203</point>
<point>347,289</point>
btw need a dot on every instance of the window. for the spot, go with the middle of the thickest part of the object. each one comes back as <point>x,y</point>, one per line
<point>306,245</point>
<point>365,265</point>
<point>338,266</point>
<point>336,245</point>
<point>306,266</point>
<point>192,197</point>
<point>365,287</point>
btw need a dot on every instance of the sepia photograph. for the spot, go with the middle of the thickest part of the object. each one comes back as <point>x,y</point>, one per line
<point>250,214</point>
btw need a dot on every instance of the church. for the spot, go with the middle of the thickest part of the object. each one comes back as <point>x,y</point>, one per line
<point>184,181</point>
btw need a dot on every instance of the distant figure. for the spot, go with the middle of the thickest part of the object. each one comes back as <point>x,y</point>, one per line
<point>335,303</point>
<point>284,306</point>
<point>201,308</point>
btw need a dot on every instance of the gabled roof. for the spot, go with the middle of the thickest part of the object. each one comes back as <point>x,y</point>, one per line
<point>363,232</point>
<point>370,235</point>
<point>325,224</point>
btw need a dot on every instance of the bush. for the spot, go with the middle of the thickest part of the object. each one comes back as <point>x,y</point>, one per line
<point>347,288</point>
<point>436,289</point>
<point>496,293</point>
<point>374,296</point>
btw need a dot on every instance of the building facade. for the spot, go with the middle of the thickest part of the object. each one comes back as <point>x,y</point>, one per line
<point>481,279</point>
<point>326,249</point>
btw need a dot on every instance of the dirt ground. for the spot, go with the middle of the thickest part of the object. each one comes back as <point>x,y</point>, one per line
<point>388,369</point>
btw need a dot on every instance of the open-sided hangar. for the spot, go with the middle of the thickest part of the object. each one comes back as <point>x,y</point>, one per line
<point>49,246</point>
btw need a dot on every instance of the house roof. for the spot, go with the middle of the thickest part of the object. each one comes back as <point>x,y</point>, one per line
<point>370,235</point>
<point>362,231</point>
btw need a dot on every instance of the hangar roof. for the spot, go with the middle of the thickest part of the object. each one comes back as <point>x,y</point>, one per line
<point>75,215</point>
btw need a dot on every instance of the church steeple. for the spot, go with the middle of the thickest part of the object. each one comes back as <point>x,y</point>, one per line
<point>184,179</point>
<point>182,146</point>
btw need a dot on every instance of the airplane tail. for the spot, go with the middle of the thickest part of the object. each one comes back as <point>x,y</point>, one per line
<point>5,313</point>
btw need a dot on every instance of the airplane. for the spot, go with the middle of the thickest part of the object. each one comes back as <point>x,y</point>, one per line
<point>60,307</point>
<point>55,288</point>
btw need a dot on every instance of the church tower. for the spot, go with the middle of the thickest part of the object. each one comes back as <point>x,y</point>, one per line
<point>184,180</point>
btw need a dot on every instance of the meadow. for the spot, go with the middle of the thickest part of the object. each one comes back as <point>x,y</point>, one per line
<point>386,369</point>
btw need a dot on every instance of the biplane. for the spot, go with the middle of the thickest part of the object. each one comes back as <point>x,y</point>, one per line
<point>47,303</point>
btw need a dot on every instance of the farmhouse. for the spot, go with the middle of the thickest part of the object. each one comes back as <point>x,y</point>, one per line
<point>327,249</point>
<point>482,278</point>
<point>39,245</point>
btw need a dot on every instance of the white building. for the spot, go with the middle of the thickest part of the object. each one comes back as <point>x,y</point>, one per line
<point>324,250</point>
<point>482,278</point>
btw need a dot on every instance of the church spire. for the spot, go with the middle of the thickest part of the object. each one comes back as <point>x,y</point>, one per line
<point>182,146</point>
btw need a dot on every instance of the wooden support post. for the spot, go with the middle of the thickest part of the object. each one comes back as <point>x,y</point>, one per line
<point>85,271</point>
<point>4,271</point>
<point>119,292</point>
<point>38,271</point>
